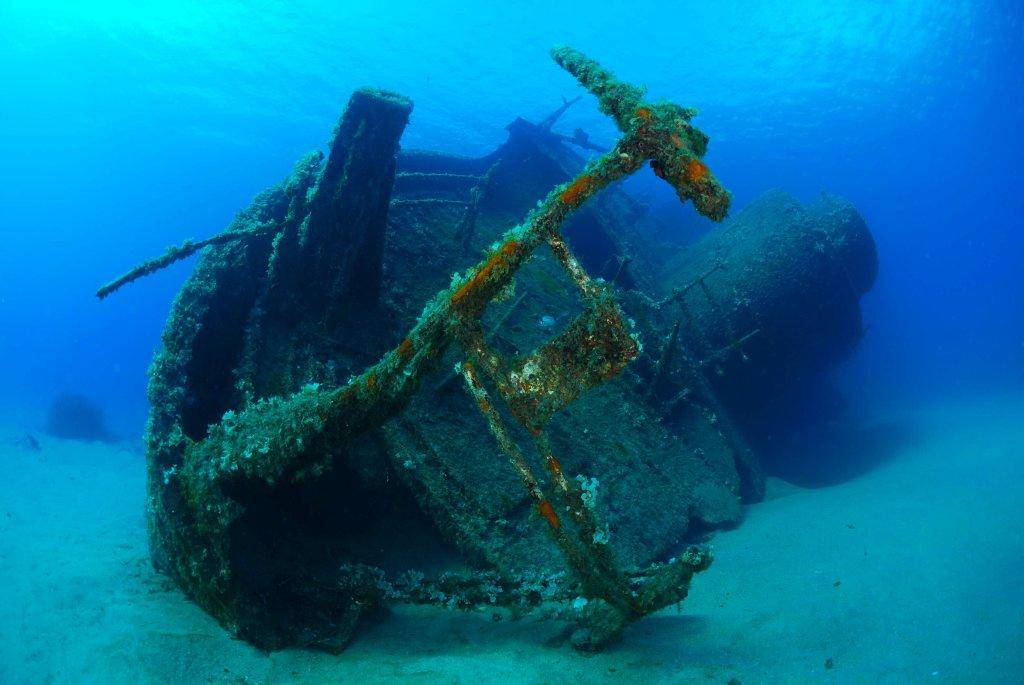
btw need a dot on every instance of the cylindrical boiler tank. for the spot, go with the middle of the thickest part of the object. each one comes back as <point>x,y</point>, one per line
<point>771,299</point>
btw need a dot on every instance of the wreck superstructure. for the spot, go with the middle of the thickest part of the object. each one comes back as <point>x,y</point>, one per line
<point>313,448</point>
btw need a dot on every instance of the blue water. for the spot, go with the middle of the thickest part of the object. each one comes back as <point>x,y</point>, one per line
<point>129,126</point>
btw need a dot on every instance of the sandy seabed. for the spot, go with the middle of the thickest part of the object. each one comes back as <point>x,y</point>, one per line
<point>908,572</point>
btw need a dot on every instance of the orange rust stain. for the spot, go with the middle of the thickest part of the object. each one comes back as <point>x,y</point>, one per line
<point>555,466</point>
<point>695,170</point>
<point>371,381</point>
<point>405,350</point>
<point>499,259</point>
<point>484,405</point>
<point>548,512</point>
<point>582,185</point>
<point>676,140</point>
<point>644,113</point>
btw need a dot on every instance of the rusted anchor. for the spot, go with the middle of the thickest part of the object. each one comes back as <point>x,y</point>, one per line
<point>594,349</point>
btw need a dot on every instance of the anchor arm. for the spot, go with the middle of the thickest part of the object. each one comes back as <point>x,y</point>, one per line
<point>660,132</point>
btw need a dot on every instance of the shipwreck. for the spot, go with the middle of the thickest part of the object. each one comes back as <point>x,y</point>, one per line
<point>345,416</point>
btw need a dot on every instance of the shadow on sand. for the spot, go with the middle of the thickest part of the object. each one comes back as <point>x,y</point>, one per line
<point>837,452</point>
<point>425,631</point>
